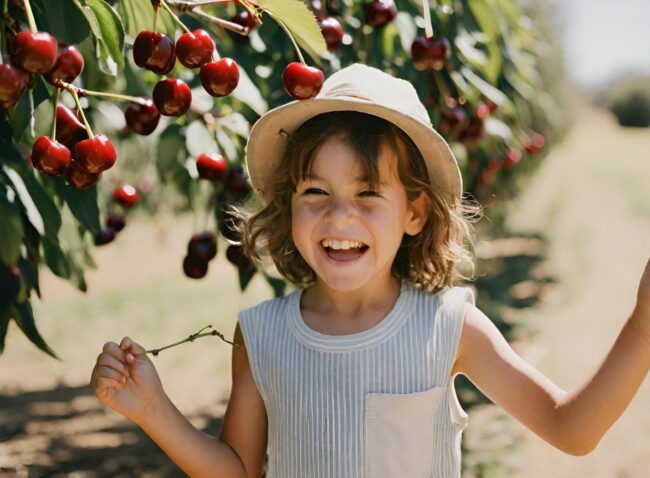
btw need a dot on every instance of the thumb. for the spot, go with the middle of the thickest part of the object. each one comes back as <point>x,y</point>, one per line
<point>127,344</point>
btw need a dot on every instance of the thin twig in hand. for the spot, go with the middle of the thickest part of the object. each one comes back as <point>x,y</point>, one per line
<point>191,338</point>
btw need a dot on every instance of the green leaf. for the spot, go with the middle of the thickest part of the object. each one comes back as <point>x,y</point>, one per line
<point>11,229</point>
<point>25,320</point>
<point>245,276</point>
<point>62,19</point>
<point>278,285</point>
<point>485,13</point>
<point>109,32</point>
<point>199,140</point>
<point>20,115</point>
<point>47,209</point>
<point>170,161</point>
<point>82,203</point>
<point>302,24</point>
<point>5,317</point>
<point>137,15</point>
<point>56,259</point>
<point>490,92</point>
<point>249,94</point>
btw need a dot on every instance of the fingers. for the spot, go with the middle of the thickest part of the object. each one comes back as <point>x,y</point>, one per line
<point>129,345</point>
<point>108,360</point>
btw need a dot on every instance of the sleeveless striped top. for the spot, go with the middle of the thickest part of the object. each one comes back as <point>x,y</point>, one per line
<point>378,403</point>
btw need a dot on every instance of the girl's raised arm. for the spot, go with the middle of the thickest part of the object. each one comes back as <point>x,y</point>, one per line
<point>573,421</point>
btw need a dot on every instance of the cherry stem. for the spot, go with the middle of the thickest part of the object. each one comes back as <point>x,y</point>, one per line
<point>234,27</point>
<point>103,94</point>
<point>428,27</point>
<point>191,338</point>
<point>184,5</point>
<point>284,27</point>
<point>73,91</point>
<point>55,101</point>
<point>442,86</point>
<point>176,19</point>
<point>30,16</point>
<point>155,17</point>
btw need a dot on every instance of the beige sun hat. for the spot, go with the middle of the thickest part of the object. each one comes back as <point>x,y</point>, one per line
<point>360,88</point>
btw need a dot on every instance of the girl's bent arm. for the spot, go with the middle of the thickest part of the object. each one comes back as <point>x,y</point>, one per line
<point>240,449</point>
<point>195,452</point>
<point>572,421</point>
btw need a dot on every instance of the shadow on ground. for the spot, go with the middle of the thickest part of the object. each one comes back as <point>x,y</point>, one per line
<point>66,431</point>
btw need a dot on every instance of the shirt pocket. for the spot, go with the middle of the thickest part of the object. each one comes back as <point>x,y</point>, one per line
<point>398,429</point>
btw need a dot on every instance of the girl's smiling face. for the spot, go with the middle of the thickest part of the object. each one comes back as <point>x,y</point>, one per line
<point>347,232</point>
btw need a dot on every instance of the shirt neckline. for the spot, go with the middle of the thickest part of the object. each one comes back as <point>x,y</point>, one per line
<point>391,322</point>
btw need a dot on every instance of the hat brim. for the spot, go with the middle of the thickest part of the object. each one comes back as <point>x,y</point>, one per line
<point>270,134</point>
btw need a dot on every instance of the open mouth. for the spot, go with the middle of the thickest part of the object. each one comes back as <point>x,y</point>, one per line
<point>343,251</point>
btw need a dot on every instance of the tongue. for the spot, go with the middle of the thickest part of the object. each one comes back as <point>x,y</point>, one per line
<point>344,255</point>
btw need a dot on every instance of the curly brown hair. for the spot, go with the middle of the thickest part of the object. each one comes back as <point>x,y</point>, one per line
<point>427,260</point>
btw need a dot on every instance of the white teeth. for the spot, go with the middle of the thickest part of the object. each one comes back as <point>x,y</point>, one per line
<point>344,244</point>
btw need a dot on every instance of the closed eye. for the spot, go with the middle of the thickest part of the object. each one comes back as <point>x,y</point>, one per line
<point>314,191</point>
<point>369,194</point>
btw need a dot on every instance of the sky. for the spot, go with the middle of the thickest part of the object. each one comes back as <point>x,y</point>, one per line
<point>604,38</point>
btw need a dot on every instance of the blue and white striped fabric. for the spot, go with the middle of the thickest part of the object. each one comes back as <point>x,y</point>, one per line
<point>379,403</point>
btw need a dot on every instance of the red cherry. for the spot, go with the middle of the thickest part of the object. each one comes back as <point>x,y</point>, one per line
<point>49,156</point>
<point>512,157</point>
<point>35,52</point>
<point>212,167</point>
<point>301,81</point>
<point>194,268</point>
<point>474,130</point>
<point>483,110</point>
<point>78,177</point>
<point>68,66</point>
<point>117,222</point>
<point>430,53</point>
<point>105,236</point>
<point>237,185</point>
<point>535,143</point>
<point>378,13</point>
<point>202,246</point>
<point>9,283</point>
<point>154,51</point>
<point>142,119</point>
<point>332,32</point>
<point>246,20</point>
<point>95,154</point>
<point>13,81</point>
<point>453,121</point>
<point>127,196</point>
<point>69,129</point>
<point>236,256</point>
<point>172,97</point>
<point>220,78</point>
<point>194,49</point>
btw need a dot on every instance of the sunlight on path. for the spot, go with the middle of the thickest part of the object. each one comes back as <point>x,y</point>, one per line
<point>591,199</point>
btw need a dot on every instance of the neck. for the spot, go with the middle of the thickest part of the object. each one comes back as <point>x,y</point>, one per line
<point>353,303</point>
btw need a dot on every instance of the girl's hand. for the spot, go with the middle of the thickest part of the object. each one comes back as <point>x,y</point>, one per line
<point>125,379</point>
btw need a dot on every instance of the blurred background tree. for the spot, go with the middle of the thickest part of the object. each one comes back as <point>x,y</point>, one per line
<point>487,72</point>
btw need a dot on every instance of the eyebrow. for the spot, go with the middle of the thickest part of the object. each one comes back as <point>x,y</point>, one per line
<point>359,180</point>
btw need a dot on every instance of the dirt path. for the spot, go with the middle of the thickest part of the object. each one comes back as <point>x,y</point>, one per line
<point>591,198</point>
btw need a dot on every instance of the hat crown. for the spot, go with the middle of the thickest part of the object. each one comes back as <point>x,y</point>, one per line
<point>363,82</point>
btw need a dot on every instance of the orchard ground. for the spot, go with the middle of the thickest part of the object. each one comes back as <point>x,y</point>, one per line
<point>589,198</point>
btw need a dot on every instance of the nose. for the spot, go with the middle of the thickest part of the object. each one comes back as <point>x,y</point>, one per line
<point>340,211</point>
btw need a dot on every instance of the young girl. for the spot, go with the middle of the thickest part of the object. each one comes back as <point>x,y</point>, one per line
<point>352,374</point>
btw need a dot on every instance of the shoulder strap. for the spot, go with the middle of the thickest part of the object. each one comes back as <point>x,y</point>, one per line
<point>449,325</point>
<point>259,326</point>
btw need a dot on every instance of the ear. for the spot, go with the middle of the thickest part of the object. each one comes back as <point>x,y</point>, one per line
<point>417,214</point>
